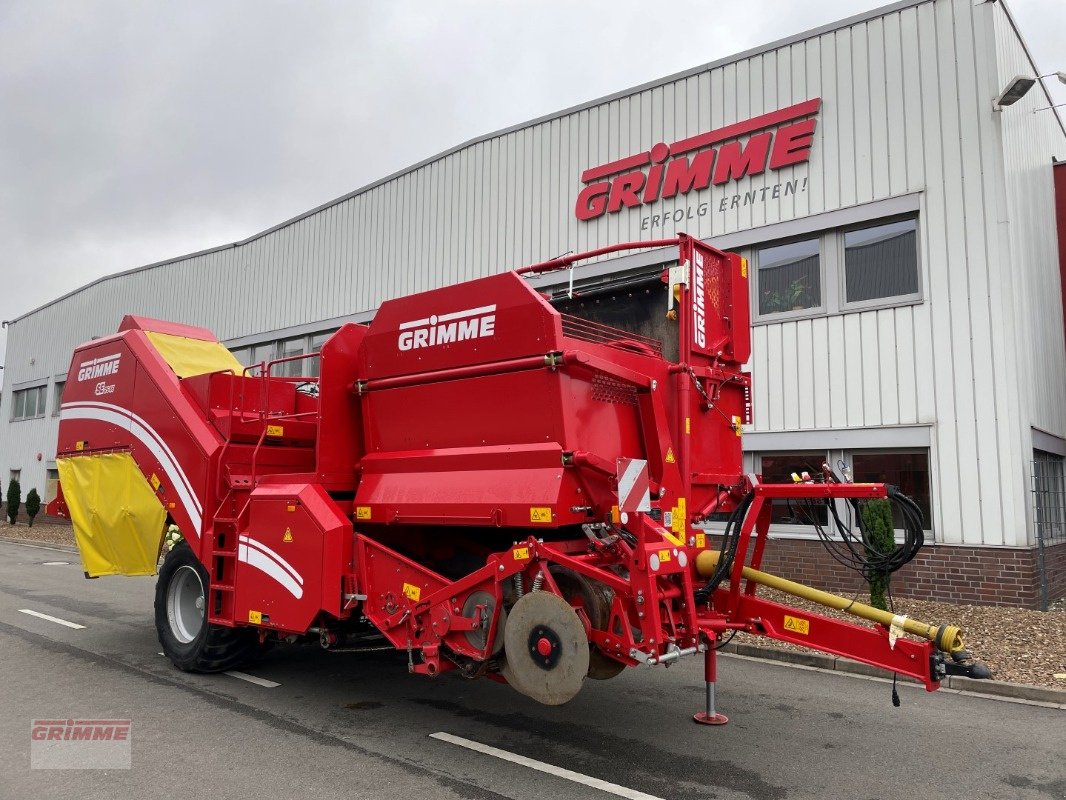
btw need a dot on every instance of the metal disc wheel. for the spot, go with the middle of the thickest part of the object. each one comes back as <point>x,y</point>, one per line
<point>596,600</point>
<point>478,636</point>
<point>185,604</point>
<point>547,649</point>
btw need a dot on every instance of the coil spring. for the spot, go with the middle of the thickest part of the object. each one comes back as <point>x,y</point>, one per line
<point>537,581</point>
<point>519,589</point>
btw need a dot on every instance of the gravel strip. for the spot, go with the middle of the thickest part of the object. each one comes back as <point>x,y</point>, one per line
<point>1018,645</point>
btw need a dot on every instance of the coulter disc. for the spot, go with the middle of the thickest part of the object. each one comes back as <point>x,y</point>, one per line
<point>546,647</point>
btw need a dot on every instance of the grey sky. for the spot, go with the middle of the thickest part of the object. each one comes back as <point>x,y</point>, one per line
<point>134,132</point>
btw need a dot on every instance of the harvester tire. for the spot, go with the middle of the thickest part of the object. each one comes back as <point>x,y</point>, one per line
<point>190,642</point>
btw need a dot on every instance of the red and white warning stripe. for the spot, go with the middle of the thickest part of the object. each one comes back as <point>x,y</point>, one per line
<point>634,488</point>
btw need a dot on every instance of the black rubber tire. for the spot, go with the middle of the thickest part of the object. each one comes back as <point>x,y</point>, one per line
<point>215,648</point>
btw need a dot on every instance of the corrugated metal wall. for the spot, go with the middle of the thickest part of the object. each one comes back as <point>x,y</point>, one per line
<point>906,109</point>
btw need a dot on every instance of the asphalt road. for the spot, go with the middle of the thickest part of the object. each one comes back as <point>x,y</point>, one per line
<point>358,726</point>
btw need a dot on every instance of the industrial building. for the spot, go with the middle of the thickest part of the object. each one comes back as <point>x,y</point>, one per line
<point>893,187</point>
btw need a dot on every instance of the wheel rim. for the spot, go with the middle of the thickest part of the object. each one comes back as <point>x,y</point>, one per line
<point>185,604</point>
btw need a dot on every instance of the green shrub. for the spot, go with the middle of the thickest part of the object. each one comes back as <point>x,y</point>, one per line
<point>33,505</point>
<point>14,500</point>
<point>880,536</point>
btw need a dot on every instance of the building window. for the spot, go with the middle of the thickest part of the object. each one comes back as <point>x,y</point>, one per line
<point>243,355</point>
<point>881,261</point>
<point>287,349</point>
<point>789,277</point>
<point>778,468</point>
<point>16,475</point>
<point>57,397</point>
<point>28,403</point>
<point>907,470</point>
<point>312,368</point>
<point>1049,495</point>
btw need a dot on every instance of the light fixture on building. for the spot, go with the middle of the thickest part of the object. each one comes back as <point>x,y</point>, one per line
<point>1014,92</point>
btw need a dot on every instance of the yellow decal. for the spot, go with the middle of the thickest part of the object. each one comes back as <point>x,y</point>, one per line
<point>275,430</point>
<point>540,514</point>
<point>520,553</point>
<point>701,540</point>
<point>412,592</point>
<point>677,517</point>
<point>738,426</point>
<point>670,456</point>
<point>688,425</point>
<point>79,445</point>
<point>291,507</point>
<point>154,480</point>
<point>615,516</point>
<point>288,535</point>
<point>664,556</point>
<point>255,617</point>
<point>362,512</point>
<point>797,625</point>
<point>743,267</point>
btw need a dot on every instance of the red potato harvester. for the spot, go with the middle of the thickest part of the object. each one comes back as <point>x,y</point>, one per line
<point>484,482</point>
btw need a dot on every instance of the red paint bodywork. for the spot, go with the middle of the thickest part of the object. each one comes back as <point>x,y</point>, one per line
<point>473,421</point>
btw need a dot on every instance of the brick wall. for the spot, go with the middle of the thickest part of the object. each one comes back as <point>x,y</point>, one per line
<point>997,576</point>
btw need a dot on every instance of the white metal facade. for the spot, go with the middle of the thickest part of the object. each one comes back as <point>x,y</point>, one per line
<point>906,123</point>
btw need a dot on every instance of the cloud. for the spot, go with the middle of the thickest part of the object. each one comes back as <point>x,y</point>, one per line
<point>134,132</point>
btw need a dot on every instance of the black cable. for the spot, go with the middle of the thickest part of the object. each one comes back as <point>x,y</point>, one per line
<point>730,540</point>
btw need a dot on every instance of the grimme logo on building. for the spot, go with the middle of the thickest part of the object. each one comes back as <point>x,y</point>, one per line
<point>99,367</point>
<point>472,323</point>
<point>774,141</point>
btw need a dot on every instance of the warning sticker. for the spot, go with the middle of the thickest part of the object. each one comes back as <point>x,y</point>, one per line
<point>275,430</point>
<point>797,625</point>
<point>288,535</point>
<point>540,514</point>
<point>255,617</point>
<point>520,554</point>
<point>362,512</point>
<point>670,456</point>
<point>664,556</point>
<point>412,592</point>
<point>154,480</point>
<point>677,519</point>
<point>701,540</point>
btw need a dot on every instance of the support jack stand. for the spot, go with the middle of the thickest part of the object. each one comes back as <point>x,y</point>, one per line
<point>710,675</point>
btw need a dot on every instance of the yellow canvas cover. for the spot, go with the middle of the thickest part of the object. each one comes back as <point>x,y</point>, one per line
<point>188,357</point>
<point>118,520</point>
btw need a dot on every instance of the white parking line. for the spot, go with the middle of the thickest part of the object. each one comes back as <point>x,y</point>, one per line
<point>540,766</point>
<point>56,564</point>
<point>244,676</point>
<point>50,618</point>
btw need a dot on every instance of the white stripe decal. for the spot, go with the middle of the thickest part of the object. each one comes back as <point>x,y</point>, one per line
<point>149,439</point>
<point>470,312</point>
<point>261,561</point>
<point>629,477</point>
<point>125,412</point>
<point>285,565</point>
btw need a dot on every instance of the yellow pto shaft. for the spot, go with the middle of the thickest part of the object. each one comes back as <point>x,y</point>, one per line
<point>947,638</point>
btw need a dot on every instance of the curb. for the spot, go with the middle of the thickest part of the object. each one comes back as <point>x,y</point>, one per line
<point>1013,691</point>
<point>65,548</point>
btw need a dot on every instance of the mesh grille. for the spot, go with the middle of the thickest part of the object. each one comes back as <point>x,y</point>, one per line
<point>608,389</point>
